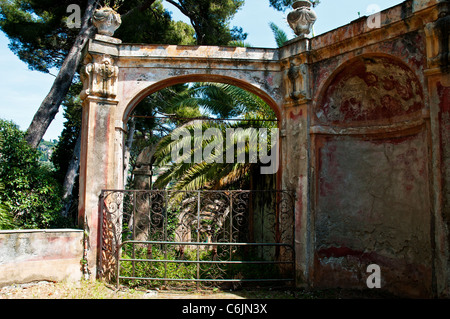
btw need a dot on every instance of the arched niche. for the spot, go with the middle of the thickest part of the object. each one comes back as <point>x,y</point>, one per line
<point>370,90</point>
<point>371,173</point>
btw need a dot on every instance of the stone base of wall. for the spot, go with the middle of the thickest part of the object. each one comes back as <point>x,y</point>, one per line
<point>35,255</point>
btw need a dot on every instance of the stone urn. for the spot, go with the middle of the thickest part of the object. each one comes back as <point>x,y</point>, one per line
<point>107,21</point>
<point>302,18</point>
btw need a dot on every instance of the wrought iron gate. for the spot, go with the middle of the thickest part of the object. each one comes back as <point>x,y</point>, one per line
<point>207,237</point>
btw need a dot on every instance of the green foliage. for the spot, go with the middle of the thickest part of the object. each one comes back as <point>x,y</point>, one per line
<point>280,36</point>
<point>114,4</point>
<point>156,269</point>
<point>37,31</point>
<point>226,101</point>
<point>30,195</point>
<point>45,149</point>
<point>6,219</point>
<point>40,37</point>
<point>63,151</point>
<point>211,19</point>
<point>172,101</point>
<point>153,25</point>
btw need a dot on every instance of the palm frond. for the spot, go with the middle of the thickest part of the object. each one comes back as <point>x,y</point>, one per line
<point>280,36</point>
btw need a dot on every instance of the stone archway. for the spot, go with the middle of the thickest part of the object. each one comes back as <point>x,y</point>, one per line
<point>152,88</point>
<point>117,77</point>
<point>202,78</point>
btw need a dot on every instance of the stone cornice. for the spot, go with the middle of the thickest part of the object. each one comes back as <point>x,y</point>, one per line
<point>406,17</point>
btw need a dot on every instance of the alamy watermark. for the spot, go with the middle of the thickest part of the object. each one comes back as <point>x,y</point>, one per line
<point>374,280</point>
<point>232,145</point>
<point>74,19</point>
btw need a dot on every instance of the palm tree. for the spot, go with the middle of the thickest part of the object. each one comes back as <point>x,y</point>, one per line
<point>145,130</point>
<point>221,100</point>
<point>225,100</point>
<point>280,36</point>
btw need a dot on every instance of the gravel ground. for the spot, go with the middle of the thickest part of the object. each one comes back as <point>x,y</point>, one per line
<point>98,290</point>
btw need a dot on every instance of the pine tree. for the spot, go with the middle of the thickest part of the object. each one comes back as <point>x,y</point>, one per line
<point>40,37</point>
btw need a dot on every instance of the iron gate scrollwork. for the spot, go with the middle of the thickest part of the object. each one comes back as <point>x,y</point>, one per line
<point>208,237</point>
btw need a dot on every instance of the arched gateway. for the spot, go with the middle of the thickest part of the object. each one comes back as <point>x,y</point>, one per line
<point>362,112</point>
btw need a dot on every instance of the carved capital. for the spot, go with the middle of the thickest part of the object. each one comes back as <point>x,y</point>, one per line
<point>100,79</point>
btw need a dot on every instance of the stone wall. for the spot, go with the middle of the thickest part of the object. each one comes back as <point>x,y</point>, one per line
<point>35,255</point>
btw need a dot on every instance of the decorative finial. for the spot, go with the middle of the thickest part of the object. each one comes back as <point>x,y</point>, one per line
<point>106,20</point>
<point>302,18</point>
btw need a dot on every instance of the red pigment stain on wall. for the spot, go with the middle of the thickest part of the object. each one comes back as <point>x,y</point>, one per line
<point>294,116</point>
<point>328,161</point>
<point>340,252</point>
<point>444,98</point>
<point>444,122</point>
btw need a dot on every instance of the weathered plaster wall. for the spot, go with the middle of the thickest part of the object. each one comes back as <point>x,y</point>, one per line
<point>294,177</point>
<point>373,208</point>
<point>372,200</point>
<point>444,95</point>
<point>35,255</point>
<point>444,122</point>
<point>98,147</point>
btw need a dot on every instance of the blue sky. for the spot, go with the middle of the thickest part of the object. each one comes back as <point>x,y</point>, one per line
<point>23,90</point>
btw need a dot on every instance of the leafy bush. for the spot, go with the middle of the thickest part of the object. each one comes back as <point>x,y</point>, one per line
<point>6,219</point>
<point>135,263</point>
<point>145,269</point>
<point>30,196</point>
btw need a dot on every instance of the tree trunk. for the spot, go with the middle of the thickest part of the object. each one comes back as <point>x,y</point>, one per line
<point>50,106</point>
<point>69,180</point>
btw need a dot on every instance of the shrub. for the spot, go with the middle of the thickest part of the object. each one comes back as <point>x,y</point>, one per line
<point>30,197</point>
